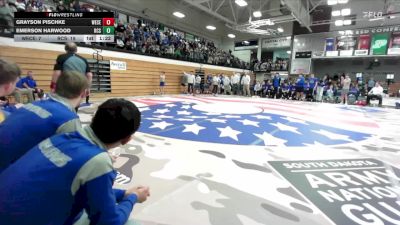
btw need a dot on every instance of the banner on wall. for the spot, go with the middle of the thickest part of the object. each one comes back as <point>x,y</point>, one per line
<point>363,42</point>
<point>394,45</point>
<point>379,44</point>
<point>117,65</point>
<point>346,43</point>
<point>347,191</point>
<point>282,42</point>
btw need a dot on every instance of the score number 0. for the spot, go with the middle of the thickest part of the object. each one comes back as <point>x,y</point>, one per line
<point>108,21</point>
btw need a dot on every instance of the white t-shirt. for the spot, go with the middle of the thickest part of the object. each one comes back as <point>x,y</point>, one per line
<point>246,80</point>
<point>198,79</point>
<point>227,81</point>
<point>376,91</point>
<point>191,78</point>
<point>215,80</point>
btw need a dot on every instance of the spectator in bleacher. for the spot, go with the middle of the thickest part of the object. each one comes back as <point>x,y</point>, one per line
<point>44,119</point>
<point>6,17</point>
<point>71,173</point>
<point>375,93</point>
<point>9,75</point>
<point>30,83</point>
<point>71,61</point>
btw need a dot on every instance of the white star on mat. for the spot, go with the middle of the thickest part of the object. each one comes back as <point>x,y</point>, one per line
<point>170,105</point>
<point>231,116</point>
<point>194,128</point>
<point>212,114</point>
<point>260,117</point>
<point>185,107</point>
<point>283,127</point>
<point>144,109</point>
<point>164,117</point>
<point>249,122</point>
<point>162,125</point>
<point>331,135</point>
<point>162,111</point>
<point>270,140</point>
<point>183,112</point>
<point>197,117</point>
<point>216,120</point>
<point>229,132</point>
<point>183,119</point>
<point>153,118</point>
<point>294,120</point>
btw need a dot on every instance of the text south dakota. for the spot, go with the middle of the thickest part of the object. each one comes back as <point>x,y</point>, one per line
<point>43,30</point>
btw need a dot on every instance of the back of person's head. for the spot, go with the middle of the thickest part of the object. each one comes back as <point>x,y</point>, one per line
<point>71,47</point>
<point>116,119</point>
<point>9,74</point>
<point>71,85</point>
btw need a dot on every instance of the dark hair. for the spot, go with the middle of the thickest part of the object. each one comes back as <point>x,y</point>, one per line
<point>115,120</point>
<point>70,47</point>
<point>9,71</point>
<point>71,84</point>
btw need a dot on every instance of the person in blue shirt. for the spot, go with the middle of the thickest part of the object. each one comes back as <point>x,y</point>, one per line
<point>9,74</point>
<point>30,83</point>
<point>300,87</point>
<point>276,82</point>
<point>70,173</point>
<point>307,90</point>
<point>313,85</point>
<point>292,90</point>
<point>33,123</point>
<point>285,90</point>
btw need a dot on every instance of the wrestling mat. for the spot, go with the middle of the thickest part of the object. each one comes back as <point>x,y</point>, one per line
<point>233,160</point>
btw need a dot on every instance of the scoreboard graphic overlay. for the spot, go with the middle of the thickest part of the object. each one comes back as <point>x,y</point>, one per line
<point>64,27</point>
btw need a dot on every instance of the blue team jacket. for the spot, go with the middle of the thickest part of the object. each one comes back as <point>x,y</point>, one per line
<point>54,181</point>
<point>33,123</point>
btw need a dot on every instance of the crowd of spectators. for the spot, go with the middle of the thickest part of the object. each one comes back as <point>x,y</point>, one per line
<point>336,89</point>
<point>151,38</point>
<point>268,65</point>
<point>140,37</point>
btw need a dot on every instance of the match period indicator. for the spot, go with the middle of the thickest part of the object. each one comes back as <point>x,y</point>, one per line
<point>61,27</point>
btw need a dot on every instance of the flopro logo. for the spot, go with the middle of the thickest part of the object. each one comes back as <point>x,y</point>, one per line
<point>379,44</point>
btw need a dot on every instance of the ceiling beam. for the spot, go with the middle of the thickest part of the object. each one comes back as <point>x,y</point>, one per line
<point>220,5</point>
<point>210,11</point>
<point>316,5</point>
<point>233,11</point>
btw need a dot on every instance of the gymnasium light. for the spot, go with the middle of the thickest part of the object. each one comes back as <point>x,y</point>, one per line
<point>280,29</point>
<point>178,14</point>
<point>343,1</point>
<point>346,12</point>
<point>332,2</point>
<point>241,3</point>
<point>346,22</point>
<point>339,23</point>
<point>231,35</point>
<point>210,27</point>
<point>257,14</point>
